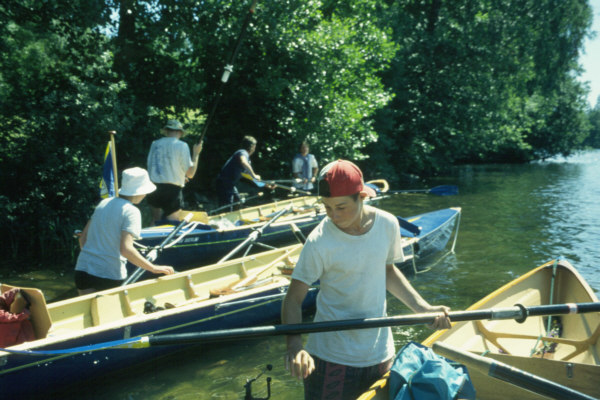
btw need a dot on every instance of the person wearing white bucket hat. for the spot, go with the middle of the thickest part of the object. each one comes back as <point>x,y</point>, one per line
<point>170,166</point>
<point>107,239</point>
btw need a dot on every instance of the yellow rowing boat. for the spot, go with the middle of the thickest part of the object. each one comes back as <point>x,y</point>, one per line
<point>83,330</point>
<point>563,349</point>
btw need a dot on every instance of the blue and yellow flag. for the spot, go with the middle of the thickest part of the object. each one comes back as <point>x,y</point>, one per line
<point>107,183</point>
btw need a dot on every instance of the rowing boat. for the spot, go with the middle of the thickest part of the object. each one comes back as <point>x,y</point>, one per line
<point>207,242</point>
<point>238,293</point>
<point>562,349</point>
<point>206,239</point>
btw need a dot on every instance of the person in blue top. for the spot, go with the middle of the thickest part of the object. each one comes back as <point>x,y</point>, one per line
<point>232,172</point>
<point>304,168</point>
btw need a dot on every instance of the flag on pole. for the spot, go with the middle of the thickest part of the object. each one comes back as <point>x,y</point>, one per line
<point>107,183</point>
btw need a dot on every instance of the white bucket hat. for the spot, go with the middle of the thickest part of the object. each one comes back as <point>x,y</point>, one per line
<point>136,182</point>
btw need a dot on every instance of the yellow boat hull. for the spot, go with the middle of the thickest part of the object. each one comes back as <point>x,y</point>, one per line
<point>575,361</point>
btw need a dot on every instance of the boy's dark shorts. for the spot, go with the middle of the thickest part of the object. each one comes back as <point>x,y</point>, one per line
<point>83,281</point>
<point>339,382</point>
<point>167,197</point>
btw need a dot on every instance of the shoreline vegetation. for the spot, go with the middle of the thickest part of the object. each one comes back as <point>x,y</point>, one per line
<point>405,89</point>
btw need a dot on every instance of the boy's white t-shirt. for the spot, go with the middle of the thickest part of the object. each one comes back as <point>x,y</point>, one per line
<point>352,274</point>
<point>168,161</point>
<point>101,253</point>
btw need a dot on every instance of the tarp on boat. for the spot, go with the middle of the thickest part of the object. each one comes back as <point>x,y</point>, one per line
<point>419,373</point>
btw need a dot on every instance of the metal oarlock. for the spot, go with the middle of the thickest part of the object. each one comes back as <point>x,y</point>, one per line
<point>248,386</point>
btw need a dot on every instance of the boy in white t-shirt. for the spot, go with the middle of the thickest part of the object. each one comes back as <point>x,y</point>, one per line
<point>107,239</point>
<point>352,253</point>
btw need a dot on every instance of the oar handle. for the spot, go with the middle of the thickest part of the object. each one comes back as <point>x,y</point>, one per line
<point>507,373</point>
<point>518,313</point>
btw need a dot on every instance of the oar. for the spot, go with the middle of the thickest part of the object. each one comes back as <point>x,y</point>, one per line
<point>259,194</point>
<point>152,254</point>
<point>272,183</point>
<point>254,235</point>
<point>443,190</point>
<point>507,373</point>
<point>228,69</point>
<point>518,313</point>
<point>248,280</point>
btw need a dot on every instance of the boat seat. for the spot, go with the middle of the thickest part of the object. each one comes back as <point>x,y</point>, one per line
<point>106,308</point>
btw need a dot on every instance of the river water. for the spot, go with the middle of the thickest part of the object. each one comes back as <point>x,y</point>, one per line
<point>514,218</point>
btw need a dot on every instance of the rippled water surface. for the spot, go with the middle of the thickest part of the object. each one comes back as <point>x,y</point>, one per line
<point>514,218</point>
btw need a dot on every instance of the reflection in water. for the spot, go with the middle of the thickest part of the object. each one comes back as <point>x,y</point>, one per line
<point>514,218</point>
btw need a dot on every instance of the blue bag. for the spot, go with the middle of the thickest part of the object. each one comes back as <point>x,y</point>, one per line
<point>420,374</point>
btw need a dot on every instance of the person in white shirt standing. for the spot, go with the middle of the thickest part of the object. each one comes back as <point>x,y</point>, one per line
<point>170,166</point>
<point>107,240</point>
<point>352,254</point>
<point>304,167</point>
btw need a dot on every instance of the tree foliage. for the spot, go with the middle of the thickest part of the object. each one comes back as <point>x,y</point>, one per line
<point>408,86</point>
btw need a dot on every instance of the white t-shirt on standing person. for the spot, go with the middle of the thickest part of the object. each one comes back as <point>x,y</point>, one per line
<point>101,253</point>
<point>352,274</point>
<point>168,161</point>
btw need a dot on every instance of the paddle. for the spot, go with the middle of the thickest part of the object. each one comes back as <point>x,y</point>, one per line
<point>254,235</point>
<point>518,312</point>
<point>507,373</point>
<point>443,190</point>
<point>273,184</point>
<point>152,254</point>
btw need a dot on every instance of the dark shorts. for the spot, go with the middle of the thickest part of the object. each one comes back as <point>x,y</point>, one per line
<point>83,281</point>
<point>226,192</point>
<point>339,382</point>
<point>167,197</point>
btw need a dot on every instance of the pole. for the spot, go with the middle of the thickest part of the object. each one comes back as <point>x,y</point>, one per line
<point>113,153</point>
<point>228,70</point>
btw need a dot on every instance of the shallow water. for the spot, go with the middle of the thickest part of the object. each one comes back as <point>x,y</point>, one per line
<point>514,218</point>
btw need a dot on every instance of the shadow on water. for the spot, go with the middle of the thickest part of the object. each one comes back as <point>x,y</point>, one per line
<point>514,218</point>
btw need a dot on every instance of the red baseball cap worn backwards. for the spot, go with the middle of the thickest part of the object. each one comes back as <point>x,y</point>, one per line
<point>342,178</point>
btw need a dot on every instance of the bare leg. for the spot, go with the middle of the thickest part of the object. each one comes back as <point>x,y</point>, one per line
<point>156,214</point>
<point>174,216</point>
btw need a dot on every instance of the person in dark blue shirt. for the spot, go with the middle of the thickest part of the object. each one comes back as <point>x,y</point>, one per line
<point>232,171</point>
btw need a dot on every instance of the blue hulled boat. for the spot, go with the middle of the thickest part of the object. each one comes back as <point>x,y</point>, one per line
<point>76,338</point>
<point>208,242</point>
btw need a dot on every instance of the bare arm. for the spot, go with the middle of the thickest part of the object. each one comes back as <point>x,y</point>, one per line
<point>400,287</point>
<point>83,237</point>
<point>298,361</point>
<point>248,167</point>
<point>134,256</point>
<point>195,156</point>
